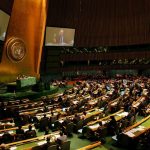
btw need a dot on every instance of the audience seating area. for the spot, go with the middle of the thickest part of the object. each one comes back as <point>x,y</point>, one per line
<point>93,109</point>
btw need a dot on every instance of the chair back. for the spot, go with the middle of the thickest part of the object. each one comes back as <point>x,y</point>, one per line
<point>69,128</point>
<point>52,147</point>
<point>53,119</point>
<point>79,125</point>
<point>66,145</point>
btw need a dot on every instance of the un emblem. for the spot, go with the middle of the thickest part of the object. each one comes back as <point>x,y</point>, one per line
<point>16,49</point>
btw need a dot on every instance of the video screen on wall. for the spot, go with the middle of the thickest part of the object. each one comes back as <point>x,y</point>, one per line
<point>59,36</point>
<point>4,19</point>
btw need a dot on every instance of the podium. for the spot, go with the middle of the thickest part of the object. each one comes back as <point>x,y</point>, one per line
<point>22,84</point>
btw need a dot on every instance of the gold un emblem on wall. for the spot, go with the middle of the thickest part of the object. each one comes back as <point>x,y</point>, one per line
<point>16,49</point>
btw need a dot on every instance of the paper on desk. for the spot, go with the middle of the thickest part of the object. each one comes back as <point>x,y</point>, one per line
<point>1,134</point>
<point>10,132</point>
<point>130,134</point>
<point>104,122</point>
<point>123,114</point>
<point>141,128</point>
<point>80,130</point>
<point>41,142</point>
<point>94,126</point>
<point>13,148</point>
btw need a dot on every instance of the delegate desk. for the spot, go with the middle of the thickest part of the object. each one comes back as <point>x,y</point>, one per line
<point>93,126</point>
<point>12,131</point>
<point>29,143</point>
<point>134,131</point>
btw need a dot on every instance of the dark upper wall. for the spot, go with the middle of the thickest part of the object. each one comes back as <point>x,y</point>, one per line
<point>100,22</point>
<point>103,22</point>
<point>6,5</point>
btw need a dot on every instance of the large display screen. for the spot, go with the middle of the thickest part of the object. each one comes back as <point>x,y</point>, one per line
<point>4,19</point>
<point>59,36</point>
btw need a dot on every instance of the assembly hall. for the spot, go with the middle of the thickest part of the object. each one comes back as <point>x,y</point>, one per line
<point>74,74</point>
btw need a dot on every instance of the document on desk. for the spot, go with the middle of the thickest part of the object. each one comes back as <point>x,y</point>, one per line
<point>123,114</point>
<point>1,134</point>
<point>104,122</point>
<point>13,148</point>
<point>129,133</point>
<point>94,126</point>
<point>10,132</point>
<point>41,142</point>
<point>141,128</point>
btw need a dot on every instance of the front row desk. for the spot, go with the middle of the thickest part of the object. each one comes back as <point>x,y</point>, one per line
<point>92,127</point>
<point>29,143</point>
<point>33,142</point>
<point>132,133</point>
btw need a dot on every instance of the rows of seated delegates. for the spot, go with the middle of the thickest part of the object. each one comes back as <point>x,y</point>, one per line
<point>94,107</point>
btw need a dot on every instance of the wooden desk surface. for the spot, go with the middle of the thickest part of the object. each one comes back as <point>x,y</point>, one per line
<point>138,128</point>
<point>105,118</point>
<point>91,146</point>
<point>95,126</point>
<point>28,143</point>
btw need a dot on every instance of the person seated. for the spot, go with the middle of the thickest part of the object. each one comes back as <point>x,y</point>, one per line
<point>44,122</point>
<point>47,144</point>
<point>60,99</point>
<point>67,121</point>
<point>83,115</point>
<point>19,130</point>
<point>3,147</point>
<point>30,133</point>
<point>19,133</point>
<point>7,137</point>
<point>100,134</point>
<point>45,108</point>
<point>62,138</point>
<point>112,126</point>
<point>46,130</point>
<point>131,113</point>
<point>76,119</point>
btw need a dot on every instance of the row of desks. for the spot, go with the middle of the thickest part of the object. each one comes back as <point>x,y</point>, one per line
<point>29,143</point>
<point>91,112</point>
<point>134,131</point>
